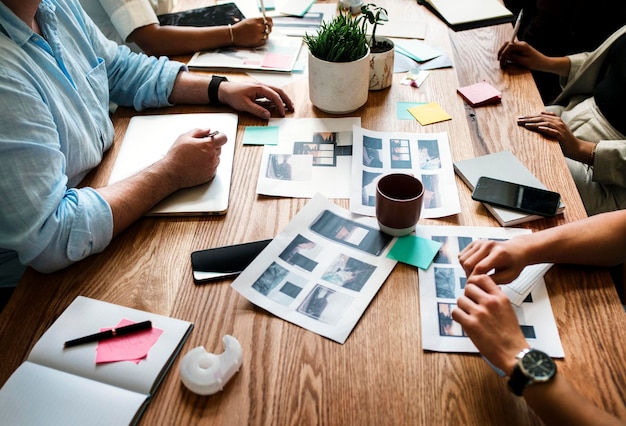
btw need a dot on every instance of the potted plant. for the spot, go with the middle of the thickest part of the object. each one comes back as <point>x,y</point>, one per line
<point>382,49</point>
<point>338,65</point>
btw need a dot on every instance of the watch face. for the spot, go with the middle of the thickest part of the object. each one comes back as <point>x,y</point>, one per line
<point>538,365</point>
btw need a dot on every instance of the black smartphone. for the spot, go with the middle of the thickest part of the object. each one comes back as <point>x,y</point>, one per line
<point>517,197</point>
<point>222,262</point>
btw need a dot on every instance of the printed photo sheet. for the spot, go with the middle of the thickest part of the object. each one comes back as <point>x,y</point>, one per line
<point>424,155</point>
<point>444,282</point>
<point>313,155</point>
<point>322,271</point>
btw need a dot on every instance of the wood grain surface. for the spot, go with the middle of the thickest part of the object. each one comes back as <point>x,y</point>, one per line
<point>380,376</point>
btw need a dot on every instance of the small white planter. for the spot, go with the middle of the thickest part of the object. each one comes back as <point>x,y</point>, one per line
<point>381,67</point>
<point>339,87</point>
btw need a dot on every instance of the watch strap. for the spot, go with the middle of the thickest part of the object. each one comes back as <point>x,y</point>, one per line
<point>214,86</point>
<point>518,381</point>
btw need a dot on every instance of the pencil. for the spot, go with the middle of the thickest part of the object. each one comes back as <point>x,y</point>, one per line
<point>263,11</point>
<point>518,22</point>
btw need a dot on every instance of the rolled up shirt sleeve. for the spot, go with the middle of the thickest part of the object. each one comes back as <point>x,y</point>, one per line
<point>609,164</point>
<point>55,128</point>
<point>81,226</point>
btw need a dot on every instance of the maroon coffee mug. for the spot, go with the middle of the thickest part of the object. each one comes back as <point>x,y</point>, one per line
<point>398,203</point>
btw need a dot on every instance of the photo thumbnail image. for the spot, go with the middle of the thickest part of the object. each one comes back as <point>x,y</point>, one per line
<point>429,156</point>
<point>325,305</point>
<point>447,326</point>
<point>279,284</point>
<point>289,167</point>
<point>348,272</point>
<point>322,147</point>
<point>301,252</point>
<point>400,152</point>
<point>372,152</point>
<point>445,283</point>
<point>368,191</point>
<point>432,195</point>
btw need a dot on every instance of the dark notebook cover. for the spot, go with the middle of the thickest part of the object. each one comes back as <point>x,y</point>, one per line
<point>210,16</point>
<point>470,24</point>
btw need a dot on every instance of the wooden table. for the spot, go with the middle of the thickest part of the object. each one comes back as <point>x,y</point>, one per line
<point>380,375</point>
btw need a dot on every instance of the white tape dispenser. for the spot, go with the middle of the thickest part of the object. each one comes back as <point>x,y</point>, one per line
<point>206,373</point>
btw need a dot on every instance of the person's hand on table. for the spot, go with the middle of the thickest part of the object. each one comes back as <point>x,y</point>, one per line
<point>486,315</point>
<point>194,157</point>
<point>243,96</point>
<point>553,127</point>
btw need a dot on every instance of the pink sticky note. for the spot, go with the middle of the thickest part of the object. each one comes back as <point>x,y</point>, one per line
<point>481,93</point>
<point>276,60</point>
<point>132,347</point>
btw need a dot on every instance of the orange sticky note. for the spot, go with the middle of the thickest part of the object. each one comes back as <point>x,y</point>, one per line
<point>429,113</point>
<point>131,347</point>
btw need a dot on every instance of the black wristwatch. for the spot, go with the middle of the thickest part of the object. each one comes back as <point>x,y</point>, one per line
<point>533,366</point>
<point>214,85</point>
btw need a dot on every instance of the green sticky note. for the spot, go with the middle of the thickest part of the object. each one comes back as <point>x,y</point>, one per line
<point>416,251</point>
<point>260,135</point>
<point>403,113</point>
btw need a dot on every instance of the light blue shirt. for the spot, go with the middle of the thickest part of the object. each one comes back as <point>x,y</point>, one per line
<point>54,129</point>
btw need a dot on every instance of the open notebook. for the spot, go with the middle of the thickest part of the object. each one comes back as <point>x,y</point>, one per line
<point>148,139</point>
<point>65,386</point>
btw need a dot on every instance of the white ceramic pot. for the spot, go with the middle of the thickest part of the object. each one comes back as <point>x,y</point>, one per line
<point>339,87</point>
<point>381,67</point>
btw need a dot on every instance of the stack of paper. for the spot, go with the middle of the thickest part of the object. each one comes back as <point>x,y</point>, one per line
<point>416,50</point>
<point>278,54</point>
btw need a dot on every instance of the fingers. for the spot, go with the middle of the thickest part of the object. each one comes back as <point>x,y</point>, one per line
<point>471,259</point>
<point>207,135</point>
<point>267,27</point>
<point>276,98</point>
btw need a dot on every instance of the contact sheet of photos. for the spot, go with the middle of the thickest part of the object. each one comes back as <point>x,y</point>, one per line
<point>313,155</point>
<point>424,155</point>
<point>321,271</point>
<point>444,282</point>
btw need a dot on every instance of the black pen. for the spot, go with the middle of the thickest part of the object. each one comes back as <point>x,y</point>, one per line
<point>108,334</point>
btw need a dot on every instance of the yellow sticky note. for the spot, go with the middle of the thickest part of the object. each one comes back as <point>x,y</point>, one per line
<point>429,113</point>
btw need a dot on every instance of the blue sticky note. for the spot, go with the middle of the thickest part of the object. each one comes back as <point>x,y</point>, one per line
<point>403,113</point>
<point>260,135</point>
<point>416,251</point>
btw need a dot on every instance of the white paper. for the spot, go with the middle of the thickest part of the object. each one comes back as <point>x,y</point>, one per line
<point>313,155</point>
<point>444,282</point>
<point>296,26</point>
<point>321,271</point>
<point>278,54</point>
<point>426,156</point>
<point>294,7</point>
<point>38,395</point>
<point>416,49</point>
